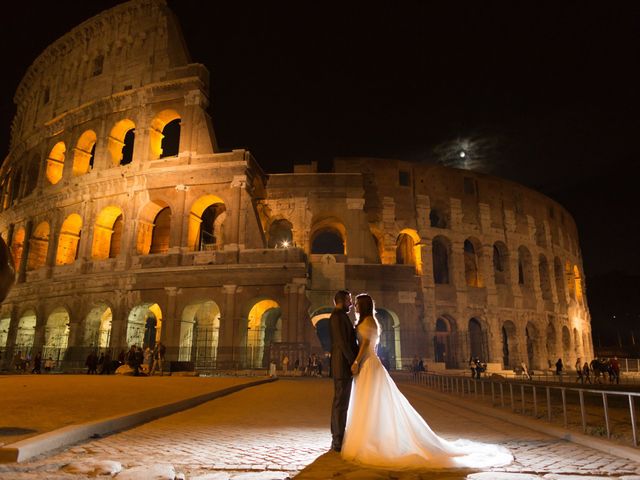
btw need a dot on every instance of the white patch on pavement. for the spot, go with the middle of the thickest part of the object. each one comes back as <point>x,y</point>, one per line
<point>94,468</point>
<point>149,472</point>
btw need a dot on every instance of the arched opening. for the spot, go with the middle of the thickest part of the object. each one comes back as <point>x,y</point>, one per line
<point>545,281</point>
<point>280,234</point>
<point>55,163</point>
<point>320,320</point>
<point>408,249</point>
<point>566,339</point>
<point>171,139</point>
<point>570,280</point>
<point>5,323</point>
<point>264,327</point>
<point>206,223</point>
<point>472,272</point>
<point>84,152</point>
<point>38,247</point>
<point>437,217</point>
<point>154,229</point>
<point>97,330</point>
<point>478,345</point>
<point>121,142</point>
<point>16,190</point>
<point>389,348</point>
<point>144,325</point>
<point>500,263</point>
<point>551,343</point>
<point>524,266</point>
<point>107,233</point>
<point>578,282</point>
<point>531,336</point>
<point>327,240</point>
<point>17,247</point>
<point>442,342</point>
<point>69,240</point>
<point>56,335</point>
<point>31,182</point>
<point>199,334</point>
<point>26,332</point>
<point>559,278</point>
<point>509,345</point>
<point>440,253</point>
<point>164,134</point>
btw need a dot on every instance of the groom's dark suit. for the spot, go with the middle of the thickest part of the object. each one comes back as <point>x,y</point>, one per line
<point>344,349</point>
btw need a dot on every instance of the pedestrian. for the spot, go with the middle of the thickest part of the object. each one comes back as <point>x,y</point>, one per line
<point>472,367</point>
<point>133,360</point>
<point>585,373</point>
<point>580,376</point>
<point>285,365</point>
<point>37,363</point>
<point>158,358</point>
<point>559,367</point>
<point>525,371</point>
<point>414,366</point>
<point>17,361</point>
<point>146,361</point>
<point>92,363</point>
<point>615,369</point>
<point>48,364</point>
<point>106,364</point>
<point>296,367</point>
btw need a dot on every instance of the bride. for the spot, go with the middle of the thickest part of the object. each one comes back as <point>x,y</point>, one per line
<point>384,430</point>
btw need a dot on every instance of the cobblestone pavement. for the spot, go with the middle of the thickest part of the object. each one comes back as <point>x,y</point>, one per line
<point>280,430</point>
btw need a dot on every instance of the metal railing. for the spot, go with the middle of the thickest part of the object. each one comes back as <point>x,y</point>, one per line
<point>542,399</point>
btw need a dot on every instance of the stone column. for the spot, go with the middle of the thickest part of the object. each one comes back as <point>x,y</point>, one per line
<point>39,334</point>
<point>171,324</point>
<point>11,338</point>
<point>236,216</point>
<point>227,336</point>
<point>119,321</point>
<point>54,238</point>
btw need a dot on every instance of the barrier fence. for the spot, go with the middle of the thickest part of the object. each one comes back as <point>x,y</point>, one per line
<point>617,409</point>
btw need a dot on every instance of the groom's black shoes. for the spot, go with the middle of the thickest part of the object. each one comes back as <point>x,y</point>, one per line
<point>336,449</point>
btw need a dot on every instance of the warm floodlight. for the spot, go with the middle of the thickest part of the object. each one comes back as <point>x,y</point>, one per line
<point>285,244</point>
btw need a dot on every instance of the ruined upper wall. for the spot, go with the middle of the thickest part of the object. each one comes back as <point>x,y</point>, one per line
<point>123,48</point>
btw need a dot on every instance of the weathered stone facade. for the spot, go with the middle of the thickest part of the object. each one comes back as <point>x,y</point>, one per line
<point>128,225</point>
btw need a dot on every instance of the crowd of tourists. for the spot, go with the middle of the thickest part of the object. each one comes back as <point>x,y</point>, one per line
<point>595,371</point>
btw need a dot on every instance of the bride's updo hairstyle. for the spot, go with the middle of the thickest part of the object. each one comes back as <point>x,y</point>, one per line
<point>365,307</point>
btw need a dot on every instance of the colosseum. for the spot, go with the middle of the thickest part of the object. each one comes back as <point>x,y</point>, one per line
<point>128,225</point>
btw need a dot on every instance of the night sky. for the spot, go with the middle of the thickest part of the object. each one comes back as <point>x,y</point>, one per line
<point>548,91</point>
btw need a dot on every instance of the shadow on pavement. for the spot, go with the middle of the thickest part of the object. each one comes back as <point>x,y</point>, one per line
<point>331,466</point>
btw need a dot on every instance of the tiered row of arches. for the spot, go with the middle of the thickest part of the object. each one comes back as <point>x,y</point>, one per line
<point>21,179</point>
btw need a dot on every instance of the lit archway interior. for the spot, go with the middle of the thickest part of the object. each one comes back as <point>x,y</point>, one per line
<point>389,349</point>
<point>264,327</point>
<point>97,331</point>
<point>17,246</point>
<point>144,325</point>
<point>56,335</point>
<point>164,135</point>
<point>328,236</point>
<point>84,152</point>
<point>154,229</point>
<point>199,333</point>
<point>107,233</point>
<point>69,240</point>
<point>38,247</point>
<point>121,141</point>
<point>26,332</point>
<point>320,320</point>
<point>55,163</point>
<point>408,251</point>
<point>206,223</point>
<point>4,331</point>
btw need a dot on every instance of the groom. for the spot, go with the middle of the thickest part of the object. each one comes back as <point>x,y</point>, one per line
<point>344,349</point>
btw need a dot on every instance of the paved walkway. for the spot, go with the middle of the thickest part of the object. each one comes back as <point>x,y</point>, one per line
<point>280,430</point>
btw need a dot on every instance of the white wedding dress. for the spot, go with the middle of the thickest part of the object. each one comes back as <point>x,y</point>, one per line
<point>384,430</point>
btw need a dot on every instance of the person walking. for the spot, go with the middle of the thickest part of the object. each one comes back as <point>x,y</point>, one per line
<point>285,365</point>
<point>586,373</point>
<point>580,376</point>
<point>615,369</point>
<point>37,363</point>
<point>559,367</point>
<point>158,358</point>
